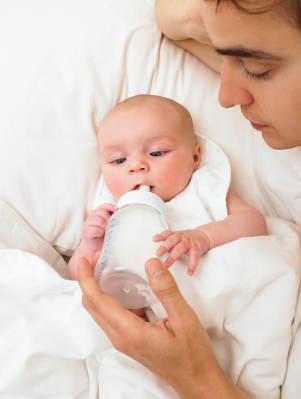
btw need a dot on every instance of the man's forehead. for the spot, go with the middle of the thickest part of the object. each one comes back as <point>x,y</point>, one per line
<point>237,33</point>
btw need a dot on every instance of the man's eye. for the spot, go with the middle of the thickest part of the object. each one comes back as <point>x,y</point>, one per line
<point>157,153</point>
<point>257,76</point>
<point>119,161</point>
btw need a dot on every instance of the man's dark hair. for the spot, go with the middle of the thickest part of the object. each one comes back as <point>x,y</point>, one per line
<point>291,8</point>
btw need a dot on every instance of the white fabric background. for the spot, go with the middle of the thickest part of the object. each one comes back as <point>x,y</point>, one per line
<point>244,294</point>
<point>64,64</point>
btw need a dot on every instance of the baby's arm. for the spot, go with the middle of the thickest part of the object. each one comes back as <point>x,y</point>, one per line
<point>93,232</point>
<point>242,221</point>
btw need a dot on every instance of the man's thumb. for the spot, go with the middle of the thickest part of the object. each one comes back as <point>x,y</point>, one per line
<point>165,288</point>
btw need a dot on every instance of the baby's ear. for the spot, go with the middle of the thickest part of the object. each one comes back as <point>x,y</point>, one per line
<point>197,155</point>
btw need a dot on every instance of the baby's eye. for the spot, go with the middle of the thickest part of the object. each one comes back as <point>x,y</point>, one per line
<point>119,161</point>
<point>157,153</point>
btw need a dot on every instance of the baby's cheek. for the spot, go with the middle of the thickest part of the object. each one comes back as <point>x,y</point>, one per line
<point>176,183</point>
<point>115,186</point>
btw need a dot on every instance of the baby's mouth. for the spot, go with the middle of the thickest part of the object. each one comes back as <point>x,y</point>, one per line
<point>138,186</point>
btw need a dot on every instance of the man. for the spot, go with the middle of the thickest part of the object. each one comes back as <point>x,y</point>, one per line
<point>257,55</point>
<point>256,47</point>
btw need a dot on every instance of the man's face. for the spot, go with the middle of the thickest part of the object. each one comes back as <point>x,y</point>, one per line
<point>146,145</point>
<point>261,69</point>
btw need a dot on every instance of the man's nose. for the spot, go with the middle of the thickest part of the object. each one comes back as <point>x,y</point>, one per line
<point>138,165</point>
<point>232,89</point>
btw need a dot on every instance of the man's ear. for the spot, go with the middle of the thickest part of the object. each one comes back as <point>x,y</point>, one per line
<point>197,155</point>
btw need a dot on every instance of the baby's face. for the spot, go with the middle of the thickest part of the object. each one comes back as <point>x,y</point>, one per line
<point>146,145</point>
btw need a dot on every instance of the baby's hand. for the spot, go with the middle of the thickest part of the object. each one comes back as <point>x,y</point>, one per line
<point>94,226</point>
<point>193,243</point>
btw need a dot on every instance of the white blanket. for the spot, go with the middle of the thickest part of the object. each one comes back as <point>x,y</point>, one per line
<point>244,293</point>
<point>56,86</point>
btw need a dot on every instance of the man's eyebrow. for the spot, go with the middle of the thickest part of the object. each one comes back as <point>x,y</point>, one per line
<point>248,53</point>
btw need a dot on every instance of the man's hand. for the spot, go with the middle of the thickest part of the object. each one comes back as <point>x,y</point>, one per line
<point>95,224</point>
<point>193,243</point>
<point>177,349</point>
<point>182,22</point>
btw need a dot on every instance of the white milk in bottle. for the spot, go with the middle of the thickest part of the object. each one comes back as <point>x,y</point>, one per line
<point>128,245</point>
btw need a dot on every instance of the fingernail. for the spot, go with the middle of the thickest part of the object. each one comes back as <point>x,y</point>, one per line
<point>154,268</point>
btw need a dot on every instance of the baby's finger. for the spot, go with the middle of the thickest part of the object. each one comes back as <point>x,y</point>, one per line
<point>104,209</point>
<point>194,257</point>
<point>180,249</point>
<point>99,220</point>
<point>162,236</point>
<point>94,232</point>
<point>108,207</point>
<point>168,244</point>
<point>94,227</point>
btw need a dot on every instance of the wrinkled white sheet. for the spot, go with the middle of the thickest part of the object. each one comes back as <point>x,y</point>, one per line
<point>50,346</point>
<point>56,86</point>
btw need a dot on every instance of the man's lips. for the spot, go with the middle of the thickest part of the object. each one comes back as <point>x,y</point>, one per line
<point>258,127</point>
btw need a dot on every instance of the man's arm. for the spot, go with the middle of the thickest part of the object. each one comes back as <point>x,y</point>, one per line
<point>203,52</point>
<point>181,21</point>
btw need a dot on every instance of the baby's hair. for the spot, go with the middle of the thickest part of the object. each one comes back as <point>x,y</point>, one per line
<point>144,99</point>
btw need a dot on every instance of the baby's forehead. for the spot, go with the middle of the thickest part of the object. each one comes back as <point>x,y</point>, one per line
<point>170,114</point>
<point>152,105</point>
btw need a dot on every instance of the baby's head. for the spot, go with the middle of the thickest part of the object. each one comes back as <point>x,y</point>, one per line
<point>148,140</point>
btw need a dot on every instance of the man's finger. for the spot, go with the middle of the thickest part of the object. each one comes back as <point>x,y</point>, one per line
<point>105,306</point>
<point>94,261</point>
<point>165,288</point>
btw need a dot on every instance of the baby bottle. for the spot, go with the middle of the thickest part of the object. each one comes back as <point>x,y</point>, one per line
<point>128,245</point>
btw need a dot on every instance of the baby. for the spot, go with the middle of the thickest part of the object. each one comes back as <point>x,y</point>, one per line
<point>150,140</point>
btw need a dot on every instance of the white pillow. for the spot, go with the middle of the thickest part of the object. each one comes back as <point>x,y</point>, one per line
<point>64,65</point>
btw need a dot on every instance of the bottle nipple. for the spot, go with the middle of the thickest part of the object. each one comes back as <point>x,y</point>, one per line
<point>144,187</point>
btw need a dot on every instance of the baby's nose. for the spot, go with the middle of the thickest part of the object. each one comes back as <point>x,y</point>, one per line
<point>138,166</point>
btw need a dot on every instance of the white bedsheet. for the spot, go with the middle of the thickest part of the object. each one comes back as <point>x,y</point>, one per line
<point>50,346</point>
<point>56,85</point>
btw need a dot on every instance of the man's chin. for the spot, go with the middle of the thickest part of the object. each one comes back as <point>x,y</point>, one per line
<point>276,142</point>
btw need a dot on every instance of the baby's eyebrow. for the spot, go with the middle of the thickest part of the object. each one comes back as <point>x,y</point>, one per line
<point>110,148</point>
<point>163,138</point>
